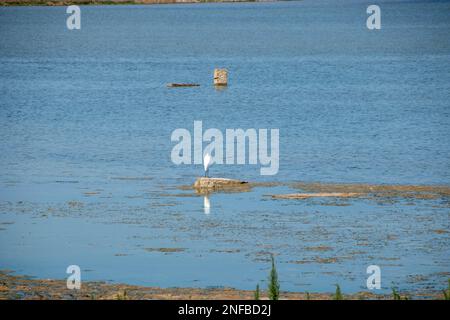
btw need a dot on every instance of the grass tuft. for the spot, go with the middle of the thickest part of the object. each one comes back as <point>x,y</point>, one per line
<point>274,286</point>
<point>257,293</point>
<point>338,293</point>
<point>397,296</point>
<point>447,291</point>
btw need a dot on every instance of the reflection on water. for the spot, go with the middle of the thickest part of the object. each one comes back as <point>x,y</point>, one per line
<point>206,205</point>
<point>220,88</point>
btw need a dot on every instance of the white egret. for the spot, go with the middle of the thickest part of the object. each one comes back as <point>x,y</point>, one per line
<point>207,161</point>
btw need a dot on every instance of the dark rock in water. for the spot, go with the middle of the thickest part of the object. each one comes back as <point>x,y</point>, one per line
<point>175,85</point>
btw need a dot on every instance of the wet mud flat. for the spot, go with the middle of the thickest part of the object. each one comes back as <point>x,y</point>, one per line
<point>377,190</point>
<point>21,287</point>
<point>317,189</point>
<point>162,235</point>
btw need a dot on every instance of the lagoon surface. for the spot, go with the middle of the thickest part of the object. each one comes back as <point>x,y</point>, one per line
<point>86,118</point>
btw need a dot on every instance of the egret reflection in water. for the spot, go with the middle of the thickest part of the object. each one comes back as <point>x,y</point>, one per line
<point>206,204</point>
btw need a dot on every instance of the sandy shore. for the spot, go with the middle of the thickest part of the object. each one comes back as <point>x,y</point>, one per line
<point>13,287</point>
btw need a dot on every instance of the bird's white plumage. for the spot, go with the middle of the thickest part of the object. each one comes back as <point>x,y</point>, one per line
<point>207,160</point>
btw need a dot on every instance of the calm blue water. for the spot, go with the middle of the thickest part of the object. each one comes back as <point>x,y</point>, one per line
<point>82,110</point>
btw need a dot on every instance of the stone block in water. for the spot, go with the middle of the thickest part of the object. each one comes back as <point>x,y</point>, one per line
<point>215,184</point>
<point>220,77</point>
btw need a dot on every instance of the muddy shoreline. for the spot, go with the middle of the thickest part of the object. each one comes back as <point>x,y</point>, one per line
<point>18,287</point>
<point>337,190</point>
<point>10,3</point>
<point>417,226</point>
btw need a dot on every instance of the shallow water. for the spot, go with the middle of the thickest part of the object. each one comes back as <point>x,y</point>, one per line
<point>86,119</point>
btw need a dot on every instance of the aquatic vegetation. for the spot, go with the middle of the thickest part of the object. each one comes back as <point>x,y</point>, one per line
<point>257,293</point>
<point>274,286</point>
<point>447,291</point>
<point>338,293</point>
<point>397,296</point>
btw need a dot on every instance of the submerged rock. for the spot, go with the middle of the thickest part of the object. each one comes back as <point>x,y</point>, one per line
<point>214,184</point>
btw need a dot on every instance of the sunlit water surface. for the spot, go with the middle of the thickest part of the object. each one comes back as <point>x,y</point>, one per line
<point>86,118</point>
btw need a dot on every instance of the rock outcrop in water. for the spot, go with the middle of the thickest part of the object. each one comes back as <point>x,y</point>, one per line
<point>205,185</point>
<point>220,77</point>
<point>176,85</point>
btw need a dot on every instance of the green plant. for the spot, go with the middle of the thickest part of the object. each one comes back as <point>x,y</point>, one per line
<point>338,293</point>
<point>397,296</point>
<point>308,297</point>
<point>274,286</point>
<point>256,295</point>
<point>447,291</point>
